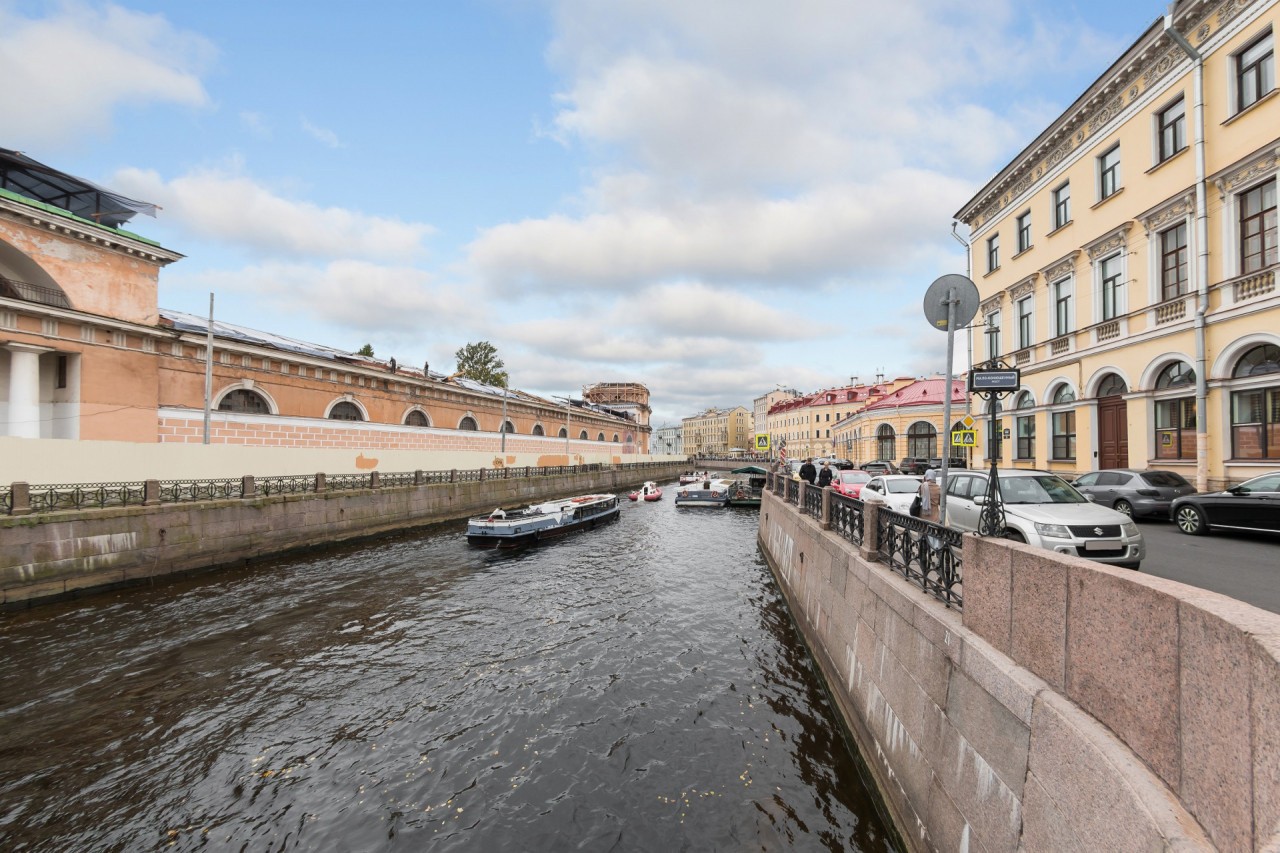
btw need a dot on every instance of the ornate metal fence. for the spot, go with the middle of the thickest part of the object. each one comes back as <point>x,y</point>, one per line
<point>296,484</point>
<point>813,502</point>
<point>793,491</point>
<point>924,553</point>
<point>846,517</point>
<point>176,491</point>
<point>86,496</point>
<point>348,482</point>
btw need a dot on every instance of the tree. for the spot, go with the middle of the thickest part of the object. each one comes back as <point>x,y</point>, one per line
<point>481,363</point>
<point>367,349</point>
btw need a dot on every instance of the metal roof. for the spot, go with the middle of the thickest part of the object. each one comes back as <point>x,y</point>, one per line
<point>33,179</point>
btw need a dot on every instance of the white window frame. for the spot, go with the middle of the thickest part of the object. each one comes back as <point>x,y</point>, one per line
<point>1157,134</point>
<point>1122,296</point>
<point>1064,286</point>
<point>1233,75</point>
<point>1099,169</point>
<point>992,319</point>
<point>1029,299</point>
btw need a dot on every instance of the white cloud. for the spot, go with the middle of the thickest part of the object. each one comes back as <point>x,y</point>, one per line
<point>233,208</point>
<point>323,135</point>
<point>66,74</point>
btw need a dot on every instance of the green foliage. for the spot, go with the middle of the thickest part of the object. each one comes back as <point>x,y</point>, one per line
<point>367,349</point>
<point>480,362</point>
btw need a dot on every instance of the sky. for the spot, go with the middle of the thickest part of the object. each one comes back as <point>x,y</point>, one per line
<point>715,198</point>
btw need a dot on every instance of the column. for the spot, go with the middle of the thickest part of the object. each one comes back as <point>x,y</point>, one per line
<point>24,390</point>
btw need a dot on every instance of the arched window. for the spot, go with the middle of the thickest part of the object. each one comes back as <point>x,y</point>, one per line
<point>1064,394</point>
<point>922,440</point>
<point>600,437</point>
<point>508,427</point>
<point>468,423</point>
<point>1176,375</point>
<point>1255,411</point>
<point>345,411</point>
<point>615,438</point>
<point>583,435</point>
<point>564,433</point>
<point>630,438</point>
<point>416,418</point>
<point>1112,385</point>
<point>1257,361</point>
<point>245,401</point>
<point>1025,401</point>
<point>885,444</point>
<point>538,430</point>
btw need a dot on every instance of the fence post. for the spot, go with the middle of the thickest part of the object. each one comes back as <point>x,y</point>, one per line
<point>826,508</point>
<point>20,494</point>
<point>320,483</point>
<point>375,480</point>
<point>482,475</point>
<point>150,492</point>
<point>248,487</point>
<point>870,548</point>
<point>417,478</point>
<point>453,475</point>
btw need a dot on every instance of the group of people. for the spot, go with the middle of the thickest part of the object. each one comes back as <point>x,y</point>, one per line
<point>925,505</point>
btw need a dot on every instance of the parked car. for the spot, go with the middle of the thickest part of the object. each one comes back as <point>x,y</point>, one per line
<point>880,466</point>
<point>913,464</point>
<point>1042,509</point>
<point>849,483</point>
<point>953,462</point>
<point>1132,492</point>
<point>1252,505</point>
<point>895,490</point>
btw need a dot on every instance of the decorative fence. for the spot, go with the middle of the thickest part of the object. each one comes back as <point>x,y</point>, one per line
<point>23,499</point>
<point>925,553</point>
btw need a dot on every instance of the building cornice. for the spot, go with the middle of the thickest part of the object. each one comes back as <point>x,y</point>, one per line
<point>1151,59</point>
<point>67,225</point>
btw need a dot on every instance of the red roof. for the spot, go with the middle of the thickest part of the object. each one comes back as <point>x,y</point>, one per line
<point>923,392</point>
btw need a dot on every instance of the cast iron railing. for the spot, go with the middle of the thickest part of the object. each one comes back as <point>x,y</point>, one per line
<point>813,502</point>
<point>846,517</point>
<point>86,496</point>
<point>793,491</point>
<point>177,491</point>
<point>924,553</point>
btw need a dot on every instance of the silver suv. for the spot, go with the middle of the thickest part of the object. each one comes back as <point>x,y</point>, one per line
<point>1042,509</point>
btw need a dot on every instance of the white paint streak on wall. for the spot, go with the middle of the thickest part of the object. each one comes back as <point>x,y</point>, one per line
<point>988,783</point>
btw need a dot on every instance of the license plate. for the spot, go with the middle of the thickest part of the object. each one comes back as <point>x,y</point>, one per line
<point>1103,545</point>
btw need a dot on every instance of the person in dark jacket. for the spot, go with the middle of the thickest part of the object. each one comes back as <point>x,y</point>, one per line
<point>807,472</point>
<point>824,476</point>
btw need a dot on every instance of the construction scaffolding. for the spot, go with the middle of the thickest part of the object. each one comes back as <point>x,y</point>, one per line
<point>631,398</point>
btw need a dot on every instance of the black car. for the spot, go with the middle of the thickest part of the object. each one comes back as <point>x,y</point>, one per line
<point>913,465</point>
<point>880,466</point>
<point>1252,505</point>
<point>953,462</point>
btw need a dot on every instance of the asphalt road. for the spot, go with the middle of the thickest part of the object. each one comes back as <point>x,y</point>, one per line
<point>1245,566</point>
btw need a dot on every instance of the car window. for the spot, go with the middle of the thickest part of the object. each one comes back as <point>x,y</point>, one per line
<point>1265,483</point>
<point>1164,478</point>
<point>1087,480</point>
<point>962,486</point>
<point>903,487</point>
<point>1111,478</point>
<point>1039,489</point>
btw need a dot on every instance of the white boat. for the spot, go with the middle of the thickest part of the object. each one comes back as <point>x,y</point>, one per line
<point>692,477</point>
<point>512,528</point>
<point>650,491</point>
<point>709,492</point>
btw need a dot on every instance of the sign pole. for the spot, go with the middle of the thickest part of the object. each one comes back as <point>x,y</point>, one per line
<point>946,405</point>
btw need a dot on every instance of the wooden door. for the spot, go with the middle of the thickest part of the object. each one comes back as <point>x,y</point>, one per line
<point>1113,433</point>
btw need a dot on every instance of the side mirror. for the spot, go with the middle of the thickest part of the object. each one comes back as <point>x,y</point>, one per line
<point>980,500</point>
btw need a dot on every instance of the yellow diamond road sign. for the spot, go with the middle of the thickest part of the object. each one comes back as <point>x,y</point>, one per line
<point>967,420</point>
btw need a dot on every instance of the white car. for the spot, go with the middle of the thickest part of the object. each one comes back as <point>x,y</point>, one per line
<point>895,490</point>
<point>1042,509</point>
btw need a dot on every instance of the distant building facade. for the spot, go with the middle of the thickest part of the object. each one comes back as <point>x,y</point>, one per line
<point>905,422</point>
<point>1126,260</point>
<point>718,432</point>
<point>86,353</point>
<point>806,423</point>
<point>668,440</point>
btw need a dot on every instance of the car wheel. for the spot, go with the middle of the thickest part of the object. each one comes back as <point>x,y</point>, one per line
<point>1014,536</point>
<point>1190,520</point>
<point>1124,507</point>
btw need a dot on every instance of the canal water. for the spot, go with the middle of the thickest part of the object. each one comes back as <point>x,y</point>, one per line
<point>637,687</point>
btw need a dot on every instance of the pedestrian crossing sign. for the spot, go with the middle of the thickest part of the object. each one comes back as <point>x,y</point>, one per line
<point>964,438</point>
<point>762,441</point>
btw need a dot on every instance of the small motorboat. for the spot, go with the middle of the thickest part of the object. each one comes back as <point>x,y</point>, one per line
<point>650,491</point>
<point>709,492</point>
<point>512,528</point>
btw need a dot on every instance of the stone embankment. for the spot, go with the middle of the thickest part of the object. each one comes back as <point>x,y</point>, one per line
<point>1071,706</point>
<point>52,555</point>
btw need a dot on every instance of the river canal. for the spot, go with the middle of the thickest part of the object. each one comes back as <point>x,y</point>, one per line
<point>638,687</point>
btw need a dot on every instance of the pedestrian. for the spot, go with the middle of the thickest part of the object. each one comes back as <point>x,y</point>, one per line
<point>824,476</point>
<point>807,472</point>
<point>929,496</point>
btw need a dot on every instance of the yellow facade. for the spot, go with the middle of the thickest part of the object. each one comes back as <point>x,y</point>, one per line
<point>717,432</point>
<point>807,424</point>
<point>1126,261</point>
<point>906,422</point>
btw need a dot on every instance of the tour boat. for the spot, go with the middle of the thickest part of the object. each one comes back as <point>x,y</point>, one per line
<point>650,491</point>
<point>512,528</point>
<point>748,492</point>
<point>709,492</point>
<point>692,477</point>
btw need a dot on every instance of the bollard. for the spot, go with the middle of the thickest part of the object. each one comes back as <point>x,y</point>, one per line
<point>20,493</point>
<point>150,492</point>
<point>320,483</point>
<point>248,488</point>
<point>375,480</point>
<point>417,478</point>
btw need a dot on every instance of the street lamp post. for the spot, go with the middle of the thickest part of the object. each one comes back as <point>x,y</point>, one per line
<point>503,426</point>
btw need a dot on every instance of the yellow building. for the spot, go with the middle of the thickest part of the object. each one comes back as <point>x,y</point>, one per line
<point>718,432</point>
<point>905,422</point>
<point>1126,260</point>
<point>807,423</point>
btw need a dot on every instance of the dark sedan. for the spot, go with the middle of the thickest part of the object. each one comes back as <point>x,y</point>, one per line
<point>1135,493</point>
<point>1252,505</point>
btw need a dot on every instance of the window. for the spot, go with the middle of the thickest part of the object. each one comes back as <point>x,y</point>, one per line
<point>1061,307</point>
<point>1255,412</point>
<point>1255,72</point>
<point>1172,124</point>
<point>1025,338</point>
<point>995,441</point>
<point>922,440</point>
<point>1064,426</point>
<point>1062,205</point>
<point>600,436</point>
<point>582,436</point>
<point>345,411</point>
<point>1112,385</point>
<point>1176,428</point>
<point>246,401</point>
<point>993,336</point>
<point>508,427</point>
<point>416,418</point>
<point>60,380</point>
<point>1026,425</point>
<point>885,442</point>
<point>993,253</point>
<point>1112,296</point>
<point>1109,172</point>
<point>1024,231</point>
<point>1258,228</point>
<point>1173,262</point>
<point>538,430</point>
<point>469,424</point>
<point>564,433</point>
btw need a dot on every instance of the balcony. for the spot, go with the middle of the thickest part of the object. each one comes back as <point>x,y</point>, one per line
<point>1252,286</point>
<point>11,289</point>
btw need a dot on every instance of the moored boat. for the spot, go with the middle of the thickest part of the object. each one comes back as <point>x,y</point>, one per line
<point>650,491</point>
<point>692,477</point>
<point>512,528</point>
<point>748,492</point>
<point>709,492</point>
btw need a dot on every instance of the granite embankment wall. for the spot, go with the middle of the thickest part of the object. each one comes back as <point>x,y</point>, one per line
<point>1072,707</point>
<point>56,554</point>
